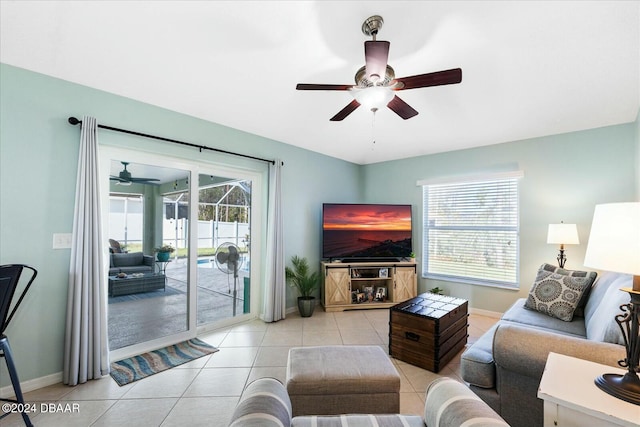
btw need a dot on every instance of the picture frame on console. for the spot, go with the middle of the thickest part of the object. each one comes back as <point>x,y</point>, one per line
<point>368,293</point>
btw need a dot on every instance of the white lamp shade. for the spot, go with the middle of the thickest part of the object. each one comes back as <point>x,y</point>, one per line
<point>373,97</point>
<point>614,242</point>
<point>563,234</point>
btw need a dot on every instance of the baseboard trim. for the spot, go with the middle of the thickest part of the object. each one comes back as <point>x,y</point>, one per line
<point>481,312</point>
<point>31,385</point>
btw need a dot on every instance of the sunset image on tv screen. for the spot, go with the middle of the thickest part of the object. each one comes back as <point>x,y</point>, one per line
<point>366,230</point>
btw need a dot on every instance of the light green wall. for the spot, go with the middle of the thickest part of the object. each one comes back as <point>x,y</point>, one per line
<point>38,163</point>
<point>565,176</point>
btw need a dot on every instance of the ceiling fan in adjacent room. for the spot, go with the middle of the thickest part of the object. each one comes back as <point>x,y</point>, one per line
<point>125,178</point>
<point>376,81</point>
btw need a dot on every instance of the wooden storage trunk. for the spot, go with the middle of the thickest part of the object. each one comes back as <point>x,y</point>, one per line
<point>428,330</point>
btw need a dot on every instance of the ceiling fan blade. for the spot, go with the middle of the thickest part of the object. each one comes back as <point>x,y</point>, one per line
<point>439,78</point>
<point>143,179</point>
<point>345,111</point>
<point>376,54</point>
<point>401,108</point>
<point>310,86</point>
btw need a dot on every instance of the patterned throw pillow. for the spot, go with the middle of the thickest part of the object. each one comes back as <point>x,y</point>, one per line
<point>558,292</point>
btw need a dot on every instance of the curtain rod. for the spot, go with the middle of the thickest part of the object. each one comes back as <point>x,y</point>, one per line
<point>74,121</point>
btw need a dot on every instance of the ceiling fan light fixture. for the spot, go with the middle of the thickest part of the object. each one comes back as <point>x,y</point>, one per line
<point>373,97</point>
<point>375,82</point>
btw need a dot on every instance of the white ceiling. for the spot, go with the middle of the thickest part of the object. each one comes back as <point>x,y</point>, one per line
<point>529,68</point>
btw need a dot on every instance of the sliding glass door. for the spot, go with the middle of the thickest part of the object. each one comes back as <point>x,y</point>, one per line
<point>207,217</point>
<point>224,248</point>
<point>148,291</point>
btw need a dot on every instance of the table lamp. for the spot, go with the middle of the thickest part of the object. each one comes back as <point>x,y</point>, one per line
<point>562,234</point>
<point>614,245</point>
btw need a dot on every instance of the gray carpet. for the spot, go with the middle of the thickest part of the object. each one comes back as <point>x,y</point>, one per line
<point>137,319</point>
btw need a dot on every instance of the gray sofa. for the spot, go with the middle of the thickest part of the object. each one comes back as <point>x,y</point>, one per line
<point>448,403</point>
<point>134,262</point>
<point>504,367</point>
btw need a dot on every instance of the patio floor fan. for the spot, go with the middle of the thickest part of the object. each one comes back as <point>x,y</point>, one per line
<point>229,261</point>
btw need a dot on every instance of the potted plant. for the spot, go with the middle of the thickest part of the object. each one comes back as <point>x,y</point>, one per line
<point>163,252</point>
<point>436,290</point>
<point>412,255</point>
<point>305,282</point>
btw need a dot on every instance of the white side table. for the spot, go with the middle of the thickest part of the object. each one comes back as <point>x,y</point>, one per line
<point>571,399</point>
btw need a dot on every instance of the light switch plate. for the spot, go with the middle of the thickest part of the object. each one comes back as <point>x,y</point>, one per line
<point>61,240</point>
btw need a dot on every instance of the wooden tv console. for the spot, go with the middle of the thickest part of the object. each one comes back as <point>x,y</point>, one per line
<point>365,285</point>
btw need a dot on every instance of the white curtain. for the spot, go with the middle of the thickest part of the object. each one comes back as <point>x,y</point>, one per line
<point>274,303</point>
<point>86,348</point>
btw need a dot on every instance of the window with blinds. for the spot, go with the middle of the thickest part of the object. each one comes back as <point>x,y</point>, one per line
<point>471,231</point>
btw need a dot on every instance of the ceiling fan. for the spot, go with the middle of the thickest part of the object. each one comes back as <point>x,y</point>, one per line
<point>376,81</point>
<point>125,178</point>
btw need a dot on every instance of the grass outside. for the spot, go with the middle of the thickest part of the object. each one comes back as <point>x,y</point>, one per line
<point>181,252</point>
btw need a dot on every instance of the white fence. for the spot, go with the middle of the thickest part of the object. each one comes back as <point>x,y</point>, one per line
<point>211,234</point>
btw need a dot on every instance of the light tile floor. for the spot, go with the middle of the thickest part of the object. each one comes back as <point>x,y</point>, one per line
<point>205,391</point>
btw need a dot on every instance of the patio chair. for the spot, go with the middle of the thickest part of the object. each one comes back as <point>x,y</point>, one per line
<point>115,248</point>
<point>9,279</point>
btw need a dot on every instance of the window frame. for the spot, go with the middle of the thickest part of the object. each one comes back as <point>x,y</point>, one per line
<point>472,180</point>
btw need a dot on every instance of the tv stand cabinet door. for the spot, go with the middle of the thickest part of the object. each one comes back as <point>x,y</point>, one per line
<point>337,286</point>
<point>405,285</point>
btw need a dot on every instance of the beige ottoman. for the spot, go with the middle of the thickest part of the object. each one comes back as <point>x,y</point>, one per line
<point>333,380</point>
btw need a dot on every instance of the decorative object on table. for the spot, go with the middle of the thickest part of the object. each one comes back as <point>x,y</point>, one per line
<point>562,234</point>
<point>614,245</point>
<point>305,282</point>
<point>138,367</point>
<point>229,261</point>
<point>368,293</point>
<point>412,257</point>
<point>381,294</point>
<point>383,272</point>
<point>436,290</point>
<point>164,252</point>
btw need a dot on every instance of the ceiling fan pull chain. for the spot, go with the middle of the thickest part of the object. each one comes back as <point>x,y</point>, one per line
<point>373,128</point>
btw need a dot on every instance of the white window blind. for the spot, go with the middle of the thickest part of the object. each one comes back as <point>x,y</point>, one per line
<point>471,231</point>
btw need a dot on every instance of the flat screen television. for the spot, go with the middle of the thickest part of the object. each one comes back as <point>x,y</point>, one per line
<point>366,231</point>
